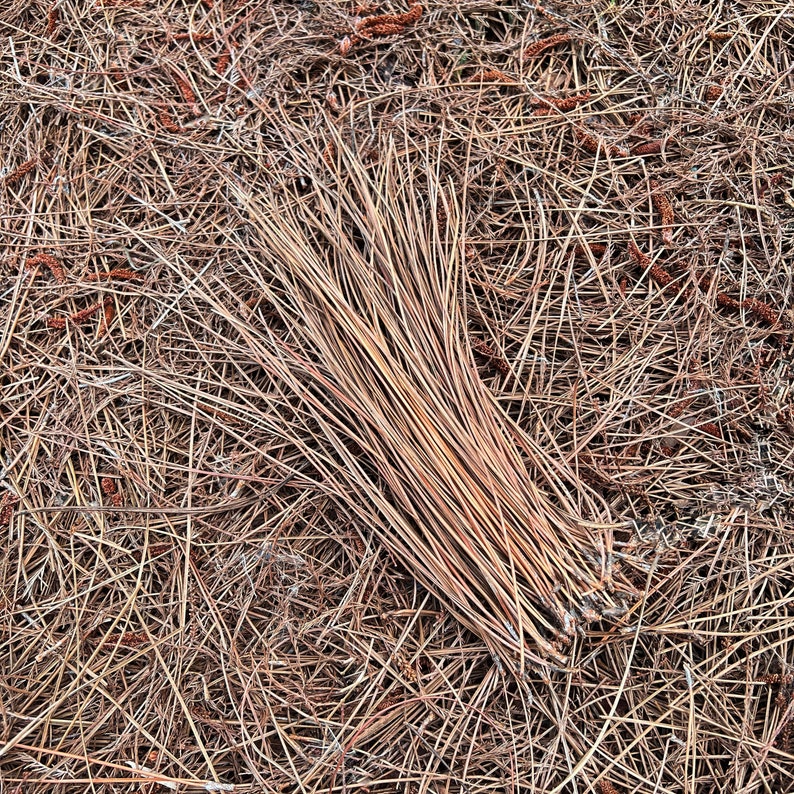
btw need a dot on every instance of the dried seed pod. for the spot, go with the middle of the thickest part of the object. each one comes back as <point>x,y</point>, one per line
<point>156,549</point>
<point>222,415</point>
<point>129,639</point>
<point>639,257</point>
<point>78,318</point>
<point>704,280</point>
<point>390,702</point>
<point>763,311</point>
<point>489,76</point>
<point>168,122</point>
<point>107,317</point>
<point>376,29</point>
<point>652,147</point>
<point>54,266</point>
<point>7,505</point>
<point>388,24</point>
<point>329,155</point>
<point>496,360</point>
<point>665,209</point>
<point>660,275</point>
<point>564,103</point>
<point>359,544</point>
<point>712,429</point>
<point>187,94</point>
<point>120,273</point>
<point>714,92</point>
<point>569,103</point>
<point>596,249</point>
<point>193,36</point>
<point>14,176</point>
<point>679,407</point>
<point>441,218</point>
<point>53,18</point>
<point>725,300</point>
<point>777,678</point>
<point>593,144</point>
<point>589,142</point>
<point>535,49</point>
<point>111,491</point>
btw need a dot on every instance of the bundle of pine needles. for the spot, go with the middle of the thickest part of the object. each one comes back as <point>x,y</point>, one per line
<point>370,291</point>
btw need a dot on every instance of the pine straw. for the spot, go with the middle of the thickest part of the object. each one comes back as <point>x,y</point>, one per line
<point>231,612</point>
<point>374,346</point>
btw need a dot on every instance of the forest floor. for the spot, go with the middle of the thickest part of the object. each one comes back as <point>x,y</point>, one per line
<point>198,588</point>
